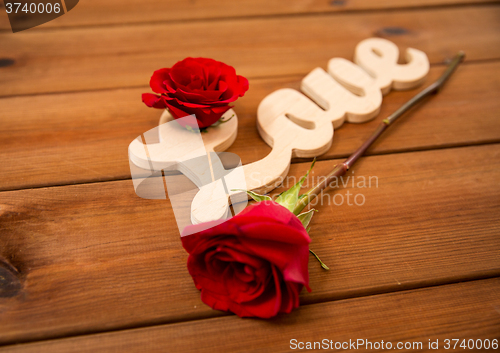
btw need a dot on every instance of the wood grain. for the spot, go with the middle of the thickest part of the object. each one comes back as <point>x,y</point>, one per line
<point>92,144</point>
<point>93,58</point>
<point>96,257</point>
<point>92,258</point>
<point>114,12</point>
<point>460,311</point>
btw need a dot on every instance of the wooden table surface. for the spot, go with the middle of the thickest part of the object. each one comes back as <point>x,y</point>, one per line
<point>104,270</point>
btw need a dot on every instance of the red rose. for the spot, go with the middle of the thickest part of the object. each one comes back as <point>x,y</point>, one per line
<point>199,86</point>
<point>254,264</point>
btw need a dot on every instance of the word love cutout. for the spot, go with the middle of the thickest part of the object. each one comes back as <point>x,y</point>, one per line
<point>302,125</point>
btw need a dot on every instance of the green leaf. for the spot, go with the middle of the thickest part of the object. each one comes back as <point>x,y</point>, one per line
<point>305,217</point>
<point>255,196</point>
<point>289,198</point>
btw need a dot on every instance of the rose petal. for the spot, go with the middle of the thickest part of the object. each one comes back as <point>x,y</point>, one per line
<point>160,80</point>
<point>153,101</point>
<point>265,306</point>
<point>198,96</point>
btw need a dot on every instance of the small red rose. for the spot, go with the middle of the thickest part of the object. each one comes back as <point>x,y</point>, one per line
<point>254,264</point>
<point>199,86</point>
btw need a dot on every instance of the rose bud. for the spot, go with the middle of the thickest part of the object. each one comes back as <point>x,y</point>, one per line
<point>199,86</point>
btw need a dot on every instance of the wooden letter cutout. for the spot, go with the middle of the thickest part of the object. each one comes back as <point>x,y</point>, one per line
<point>298,124</point>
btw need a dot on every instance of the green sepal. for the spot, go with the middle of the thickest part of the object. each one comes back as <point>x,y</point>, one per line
<point>306,217</point>
<point>323,265</point>
<point>255,196</point>
<point>200,130</point>
<point>220,121</point>
<point>290,197</point>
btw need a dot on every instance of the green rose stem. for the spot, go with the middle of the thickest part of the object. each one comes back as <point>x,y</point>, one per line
<point>342,168</point>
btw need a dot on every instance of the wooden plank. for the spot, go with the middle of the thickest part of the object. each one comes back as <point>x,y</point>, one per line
<point>94,12</point>
<point>85,142</point>
<point>95,257</point>
<point>125,56</point>
<point>458,311</point>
